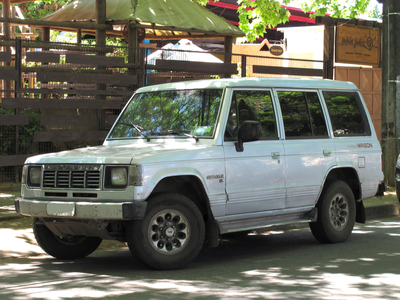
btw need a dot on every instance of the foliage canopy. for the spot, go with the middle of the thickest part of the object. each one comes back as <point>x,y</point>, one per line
<point>257,15</point>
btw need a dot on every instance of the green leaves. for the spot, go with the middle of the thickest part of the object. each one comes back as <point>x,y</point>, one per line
<point>257,15</point>
<point>39,9</point>
<point>336,8</point>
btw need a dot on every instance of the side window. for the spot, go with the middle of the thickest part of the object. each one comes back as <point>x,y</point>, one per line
<point>252,105</point>
<point>302,115</point>
<point>347,115</point>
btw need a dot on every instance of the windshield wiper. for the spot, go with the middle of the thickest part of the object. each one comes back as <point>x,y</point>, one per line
<point>167,132</point>
<point>138,128</point>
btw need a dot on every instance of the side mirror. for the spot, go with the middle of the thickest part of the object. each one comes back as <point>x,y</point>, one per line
<point>249,131</point>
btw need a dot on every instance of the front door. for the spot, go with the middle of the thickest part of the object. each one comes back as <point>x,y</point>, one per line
<point>255,178</point>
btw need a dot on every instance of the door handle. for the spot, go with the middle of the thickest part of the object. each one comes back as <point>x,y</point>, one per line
<point>327,152</point>
<point>275,154</point>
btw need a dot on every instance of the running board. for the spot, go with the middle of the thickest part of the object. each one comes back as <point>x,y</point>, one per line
<point>251,224</point>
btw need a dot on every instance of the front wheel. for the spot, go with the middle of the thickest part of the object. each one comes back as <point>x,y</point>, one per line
<point>64,247</point>
<point>336,214</point>
<point>170,235</point>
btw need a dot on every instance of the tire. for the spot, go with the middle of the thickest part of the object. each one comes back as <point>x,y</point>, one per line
<point>65,248</point>
<point>336,214</point>
<point>170,235</point>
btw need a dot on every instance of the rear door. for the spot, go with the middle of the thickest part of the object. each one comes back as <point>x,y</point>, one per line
<point>309,149</point>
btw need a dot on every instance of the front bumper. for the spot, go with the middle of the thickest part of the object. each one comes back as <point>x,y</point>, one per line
<point>81,210</point>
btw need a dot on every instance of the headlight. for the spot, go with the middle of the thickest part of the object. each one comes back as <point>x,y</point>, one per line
<point>34,176</point>
<point>116,177</point>
<point>119,177</point>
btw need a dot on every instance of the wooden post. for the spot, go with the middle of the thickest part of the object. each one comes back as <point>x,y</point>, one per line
<point>100,19</point>
<point>45,38</point>
<point>7,36</point>
<point>6,14</point>
<point>18,62</point>
<point>244,65</point>
<point>100,42</point>
<point>133,50</point>
<point>46,34</point>
<point>79,36</point>
<point>329,45</point>
<point>228,52</point>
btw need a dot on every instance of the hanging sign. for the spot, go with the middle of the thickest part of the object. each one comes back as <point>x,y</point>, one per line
<point>357,45</point>
<point>276,50</point>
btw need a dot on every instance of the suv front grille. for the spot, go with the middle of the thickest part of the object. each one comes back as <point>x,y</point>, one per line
<point>76,179</point>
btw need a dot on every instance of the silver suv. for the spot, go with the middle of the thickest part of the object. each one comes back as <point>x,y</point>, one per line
<point>188,162</point>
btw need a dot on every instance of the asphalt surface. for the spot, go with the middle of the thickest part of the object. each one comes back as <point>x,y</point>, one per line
<point>20,242</point>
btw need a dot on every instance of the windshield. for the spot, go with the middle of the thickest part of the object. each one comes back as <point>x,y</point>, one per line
<point>184,113</point>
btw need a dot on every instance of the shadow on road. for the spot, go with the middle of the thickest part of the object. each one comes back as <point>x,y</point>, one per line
<point>274,265</point>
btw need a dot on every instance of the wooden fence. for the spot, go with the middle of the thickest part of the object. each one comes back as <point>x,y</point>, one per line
<point>61,96</point>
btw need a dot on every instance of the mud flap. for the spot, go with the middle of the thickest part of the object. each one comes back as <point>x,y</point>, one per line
<point>360,212</point>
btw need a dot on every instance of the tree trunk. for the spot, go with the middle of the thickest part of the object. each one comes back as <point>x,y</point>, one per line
<point>390,88</point>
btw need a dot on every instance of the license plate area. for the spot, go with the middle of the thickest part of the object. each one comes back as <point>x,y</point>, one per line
<point>61,209</point>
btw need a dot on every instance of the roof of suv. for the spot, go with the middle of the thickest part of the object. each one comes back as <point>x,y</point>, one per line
<point>252,82</point>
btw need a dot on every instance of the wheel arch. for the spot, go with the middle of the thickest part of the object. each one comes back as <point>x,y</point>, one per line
<point>192,187</point>
<point>350,176</point>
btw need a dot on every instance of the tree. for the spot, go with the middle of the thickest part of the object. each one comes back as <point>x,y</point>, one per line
<point>390,88</point>
<point>38,9</point>
<point>257,15</point>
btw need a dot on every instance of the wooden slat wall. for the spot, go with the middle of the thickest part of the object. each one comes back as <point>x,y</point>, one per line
<point>69,136</point>
<point>189,66</point>
<point>61,104</point>
<point>14,120</point>
<point>43,57</point>
<point>288,71</point>
<point>51,122</point>
<point>13,160</point>
<point>80,92</point>
<point>95,60</point>
<point>63,120</point>
<point>117,79</point>
<point>8,74</point>
<point>5,56</point>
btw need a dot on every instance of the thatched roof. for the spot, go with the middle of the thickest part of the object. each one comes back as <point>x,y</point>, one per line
<point>159,17</point>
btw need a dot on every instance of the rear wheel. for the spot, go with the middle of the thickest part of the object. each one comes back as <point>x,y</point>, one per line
<point>71,247</point>
<point>170,235</point>
<point>336,214</point>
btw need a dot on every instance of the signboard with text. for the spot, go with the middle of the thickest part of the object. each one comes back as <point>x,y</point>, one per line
<point>357,45</point>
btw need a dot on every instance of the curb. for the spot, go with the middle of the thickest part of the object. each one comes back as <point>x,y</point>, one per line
<point>382,211</point>
<point>9,218</point>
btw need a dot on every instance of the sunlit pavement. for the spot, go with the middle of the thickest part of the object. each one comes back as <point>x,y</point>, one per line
<point>17,243</point>
<point>273,265</point>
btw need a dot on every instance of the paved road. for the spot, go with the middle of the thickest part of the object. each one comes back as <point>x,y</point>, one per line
<point>276,265</point>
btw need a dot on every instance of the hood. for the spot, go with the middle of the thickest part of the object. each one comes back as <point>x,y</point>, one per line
<point>127,153</point>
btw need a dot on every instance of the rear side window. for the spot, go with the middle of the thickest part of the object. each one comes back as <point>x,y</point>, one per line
<point>347,114</point>
<point>302,115</point>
